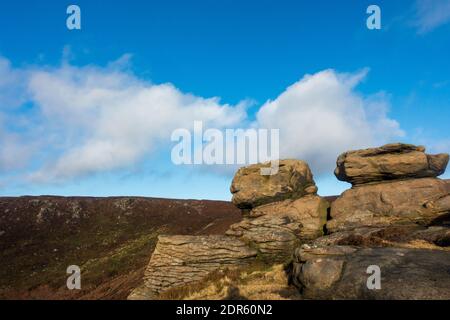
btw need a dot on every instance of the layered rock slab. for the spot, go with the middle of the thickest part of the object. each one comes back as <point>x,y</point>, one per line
<point>276,229</point>
<point>433,237</point>
<point>389,162</point>
<point>340,272</point>
<point>251,189</point>
<point>179,260</point>
<point>417,201</point>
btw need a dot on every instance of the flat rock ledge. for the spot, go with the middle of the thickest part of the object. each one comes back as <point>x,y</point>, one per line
<point>340,272</point>
<point>435,237</point>
<point>179,260</point>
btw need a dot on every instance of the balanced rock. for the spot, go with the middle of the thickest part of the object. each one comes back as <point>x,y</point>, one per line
<point>276,229</point>
<point>179,260</point>
<point>251,189</point>
<point>340,272</point>
<point>417,201</point>
<point>389,162</point>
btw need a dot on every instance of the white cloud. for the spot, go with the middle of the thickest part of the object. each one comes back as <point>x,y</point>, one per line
<point>106,118</point>
<point>93,119</point>
<point>14,152</point>
<point>12,91</point>
<point>321,116</point>
<point>431,14</point>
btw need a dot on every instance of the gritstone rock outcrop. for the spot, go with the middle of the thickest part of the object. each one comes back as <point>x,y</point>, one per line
<point>395,217</point>
<point>180,260</point>
<point>280,212</point>
<point>409,193</point>
<point>251,189</point>
<point>389,162</point>
<point>285,209</point>
<point>396,214</point>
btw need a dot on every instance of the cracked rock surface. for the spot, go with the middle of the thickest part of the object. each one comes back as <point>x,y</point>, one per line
<point>277,228</point>
<point>179,260</point>
<point>340,272</point>
<point>416,201</point>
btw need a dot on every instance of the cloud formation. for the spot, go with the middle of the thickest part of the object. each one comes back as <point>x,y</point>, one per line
<point>431,14</point>
<point>322,115</point>
<point>90,119</point>
<point>106,118</point>
<point>12,87</point>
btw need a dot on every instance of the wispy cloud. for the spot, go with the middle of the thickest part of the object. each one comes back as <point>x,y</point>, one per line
<point>431,14</point>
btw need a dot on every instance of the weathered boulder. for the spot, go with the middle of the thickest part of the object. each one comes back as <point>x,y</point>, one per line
<point>389,162</point>
<point>276,229</point>
<point>417,201</point>
<point>179,260</point>
<point>251,189</point>
<point>340,272</point>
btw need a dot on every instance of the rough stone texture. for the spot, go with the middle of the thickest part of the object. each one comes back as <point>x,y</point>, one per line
<point>179,260</point>
<point>340,272</point>
<point>320,273</point>
<point>389,162</point>
<point>276,229</point>
<point>417,201</point>
<point>251,189</point>
<point>398,236</point>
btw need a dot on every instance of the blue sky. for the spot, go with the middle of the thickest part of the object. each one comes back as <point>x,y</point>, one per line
<point>90,111</point>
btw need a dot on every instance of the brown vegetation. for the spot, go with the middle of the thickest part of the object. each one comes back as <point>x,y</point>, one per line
<point>111,239</point>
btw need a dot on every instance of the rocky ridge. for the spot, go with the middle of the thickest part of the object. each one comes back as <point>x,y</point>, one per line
<point>395,217</point>
<point>280,211</point>
<point>395,214</point>
<point>410,193</point>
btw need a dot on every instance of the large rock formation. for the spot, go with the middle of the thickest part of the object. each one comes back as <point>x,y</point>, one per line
<point>179,260</point>
<point>341,272</point>
<point>284,208</point>
<point>282,211</point>
<point>389,162</point>
<point>251,189</point>
<point>395,215</point>
<point>392,185</point>
<point>277,228</point>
